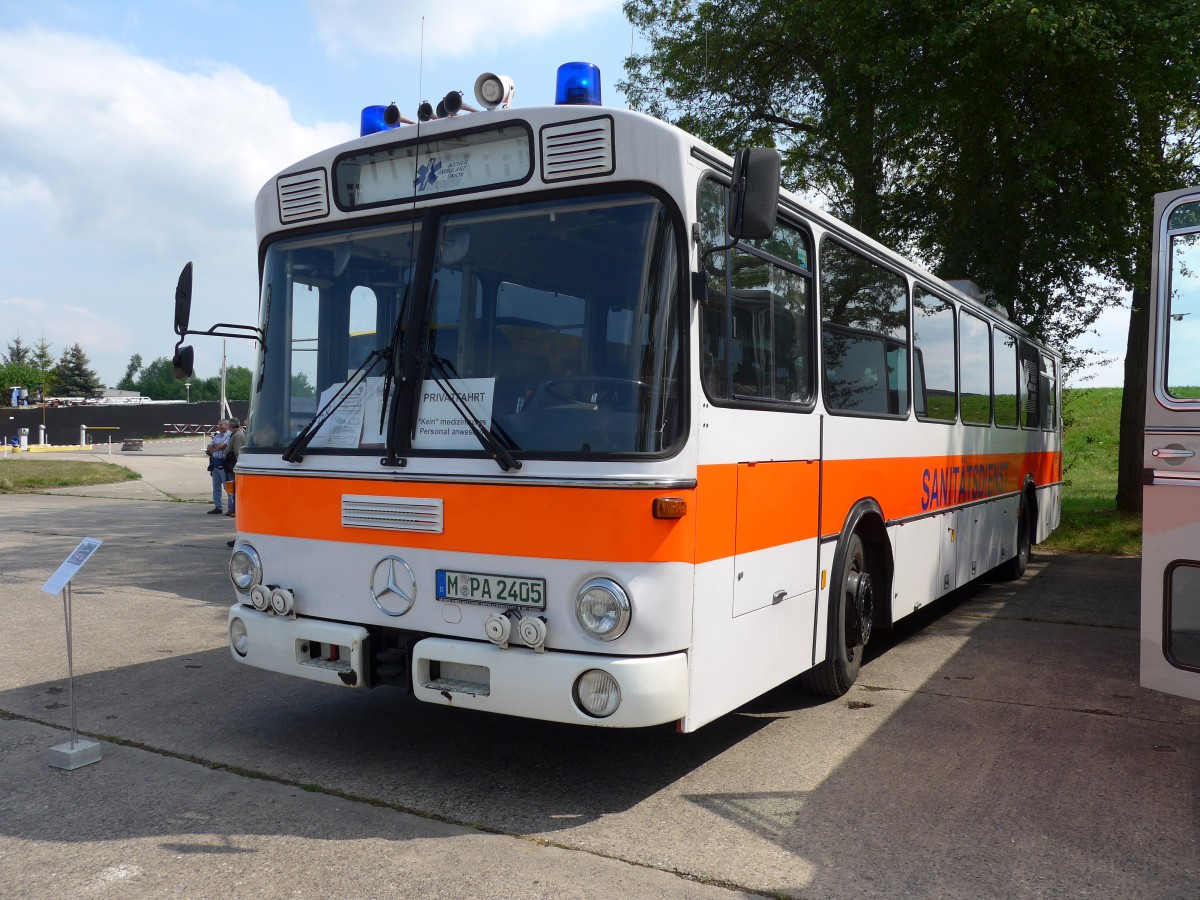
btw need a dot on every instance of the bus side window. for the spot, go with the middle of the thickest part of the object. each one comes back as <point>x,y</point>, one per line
<point>864,338</point>
<point>755,337</point>
<point>933,344</point>
<point>769,331</point>
<point>1030,387</point>
<point>974,375</point>
<point>1004,378</point>
<point>1047,394</point>
<point>919,400</point>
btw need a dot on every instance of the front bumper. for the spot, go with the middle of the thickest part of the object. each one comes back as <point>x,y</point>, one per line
<point>285,645</point>
<point>515,681</point>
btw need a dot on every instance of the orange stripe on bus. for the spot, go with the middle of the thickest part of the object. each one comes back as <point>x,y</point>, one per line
<point>914,486</point>
<point>615,525</point>
<point>735,508</point>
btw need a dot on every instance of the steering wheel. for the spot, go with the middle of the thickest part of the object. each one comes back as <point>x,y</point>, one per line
<point>587,392</point>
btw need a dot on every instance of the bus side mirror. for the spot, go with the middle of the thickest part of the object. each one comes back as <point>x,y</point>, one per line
<point>754,199</point>
<point>183,300</point>
<point>183,362</point>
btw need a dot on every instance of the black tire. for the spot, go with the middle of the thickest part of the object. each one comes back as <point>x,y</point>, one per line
<point>850,613</point>
<point>1014,567</point>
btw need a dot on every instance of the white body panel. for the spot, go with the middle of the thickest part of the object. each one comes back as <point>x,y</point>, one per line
<point>280,644</point>
<point>654,689</point>
<point>1170,628</point>
<point>661,592</point>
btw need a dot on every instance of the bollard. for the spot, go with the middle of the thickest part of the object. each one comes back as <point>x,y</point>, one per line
<point>41,434</point>
<point>82,435</point>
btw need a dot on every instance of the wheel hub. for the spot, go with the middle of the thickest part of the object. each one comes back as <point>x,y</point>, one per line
<point>862,593</point>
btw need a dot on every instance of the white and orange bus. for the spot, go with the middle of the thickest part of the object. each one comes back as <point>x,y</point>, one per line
<point>1170,646</point>
<point>561,413</point>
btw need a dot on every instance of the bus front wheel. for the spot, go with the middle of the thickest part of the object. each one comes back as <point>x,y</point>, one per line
<point>851,609</point>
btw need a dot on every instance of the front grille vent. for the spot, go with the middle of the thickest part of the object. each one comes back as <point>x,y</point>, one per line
<point>303,195</point>
<point>578,149</point>
<point>393,513</point>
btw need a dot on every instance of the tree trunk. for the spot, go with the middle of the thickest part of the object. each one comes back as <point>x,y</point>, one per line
<point>1133,405</point>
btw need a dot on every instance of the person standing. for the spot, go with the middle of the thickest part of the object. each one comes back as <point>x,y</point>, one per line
<point>232,450</point>
<point>216,465</point>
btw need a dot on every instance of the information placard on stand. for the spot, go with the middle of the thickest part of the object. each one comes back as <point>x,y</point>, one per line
<point>76,753</point>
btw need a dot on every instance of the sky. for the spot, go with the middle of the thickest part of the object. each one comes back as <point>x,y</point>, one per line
<point>135,135</point>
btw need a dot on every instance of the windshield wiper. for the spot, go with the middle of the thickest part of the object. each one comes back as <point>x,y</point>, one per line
<point>295,449</point>
<point>389,375</point>
<point>490,439</point>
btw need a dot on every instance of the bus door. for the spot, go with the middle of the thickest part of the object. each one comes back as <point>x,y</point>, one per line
<point>1170,642</point>
<point>778,473</point>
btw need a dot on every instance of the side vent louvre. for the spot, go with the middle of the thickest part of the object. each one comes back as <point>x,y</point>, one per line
<point>393,513</point>
<point>303,195</point>
<point>578,149</point>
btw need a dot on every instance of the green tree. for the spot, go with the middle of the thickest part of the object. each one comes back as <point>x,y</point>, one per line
<point>207,389</point>
<point>157,381</point>
<point>960,133</point>
<point>237,383</point>
<point>1015,142</point>
<point>132,371</point>
<point>74,376</point>
<point>43,361</point>
<point>18,352</point>
<point>17,375</point>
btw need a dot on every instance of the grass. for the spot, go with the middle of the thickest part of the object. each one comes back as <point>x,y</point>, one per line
<point>19,475</point>
<point>1090,521</point>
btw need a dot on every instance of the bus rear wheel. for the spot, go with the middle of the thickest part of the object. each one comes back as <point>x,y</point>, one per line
<point>1014,567</point>
<point>851,611</point>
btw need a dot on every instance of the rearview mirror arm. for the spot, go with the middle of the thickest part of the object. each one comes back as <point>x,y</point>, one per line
<point>251,332</point>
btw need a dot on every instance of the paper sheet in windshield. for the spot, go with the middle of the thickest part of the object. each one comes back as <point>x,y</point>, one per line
<point>356,421</point>
<point>440,426</point>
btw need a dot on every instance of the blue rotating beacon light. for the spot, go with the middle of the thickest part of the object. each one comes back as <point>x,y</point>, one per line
<point>578,84</point>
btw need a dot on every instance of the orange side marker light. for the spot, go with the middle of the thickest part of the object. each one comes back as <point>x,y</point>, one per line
<point>670,507</point>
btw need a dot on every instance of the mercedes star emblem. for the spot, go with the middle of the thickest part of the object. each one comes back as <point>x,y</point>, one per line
<point>393,586</point>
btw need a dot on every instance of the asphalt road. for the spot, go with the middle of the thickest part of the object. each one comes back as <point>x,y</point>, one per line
<point>998,745</point>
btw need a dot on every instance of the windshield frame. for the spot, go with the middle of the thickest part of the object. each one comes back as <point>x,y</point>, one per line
<point>418,308</point>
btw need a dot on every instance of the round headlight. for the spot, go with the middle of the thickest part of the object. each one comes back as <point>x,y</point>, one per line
<point>245,568</point>
<point>238,639</point>
<point>603,609</point>
<point>597,693</point>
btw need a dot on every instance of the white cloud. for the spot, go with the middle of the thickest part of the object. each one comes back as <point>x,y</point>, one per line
<point>91,119</point>
<point>61,325</point>
<point>452,30</point>
<point>27,196</point>
<point>116,170</point>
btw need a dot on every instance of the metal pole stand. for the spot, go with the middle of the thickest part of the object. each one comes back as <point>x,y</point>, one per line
<point>76,753</point>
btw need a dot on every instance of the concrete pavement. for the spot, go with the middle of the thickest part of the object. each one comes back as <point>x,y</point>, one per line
<point>997,745</point>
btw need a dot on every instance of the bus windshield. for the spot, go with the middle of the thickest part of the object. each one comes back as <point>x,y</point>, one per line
<point>556,323</point>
